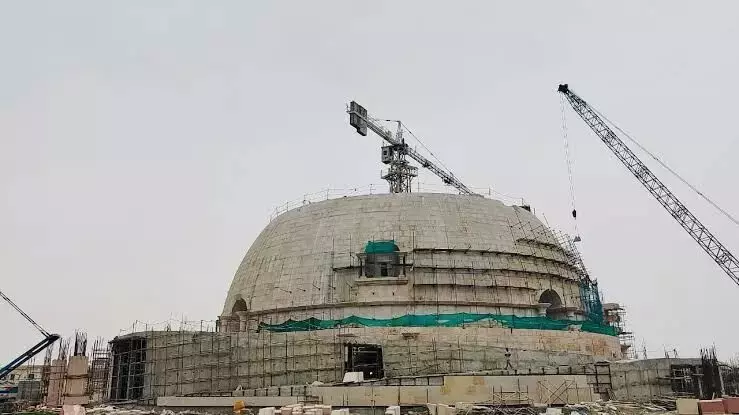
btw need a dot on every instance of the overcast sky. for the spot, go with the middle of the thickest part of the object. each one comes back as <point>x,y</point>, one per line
<point>144,144</point>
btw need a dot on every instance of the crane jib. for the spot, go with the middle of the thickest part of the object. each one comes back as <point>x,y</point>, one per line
<point>360,120</point>
<point>699,232</point>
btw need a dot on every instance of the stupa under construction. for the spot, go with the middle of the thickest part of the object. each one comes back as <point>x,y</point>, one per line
<point>394,286</point>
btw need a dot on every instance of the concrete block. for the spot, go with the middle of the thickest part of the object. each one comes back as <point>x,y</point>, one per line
<point>392,410</point>
<point>731,405</point>
<point>686,406</point>
<point>551,411</point>
<point>78,366</point>
<point>73,410</point>
<point>712,406</point>
<point>267,411</point>
<point>353,377</point>
<point>432,408</point>
<point>216,401</point>
<point>443,409</point>
<point>285,410</point>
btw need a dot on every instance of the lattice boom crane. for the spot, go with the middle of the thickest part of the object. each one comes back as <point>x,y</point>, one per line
<point>715,249</point>
<point>400,173</point>
<point>48,340</point>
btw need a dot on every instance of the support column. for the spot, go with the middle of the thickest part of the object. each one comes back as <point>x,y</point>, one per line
<point>542,308</point>
<point>242,318</point>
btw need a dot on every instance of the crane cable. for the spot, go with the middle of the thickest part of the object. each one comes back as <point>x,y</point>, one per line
<point>663,164</point>
<point>427,149</point>
<point>569,165</point>
<point>23,313</point>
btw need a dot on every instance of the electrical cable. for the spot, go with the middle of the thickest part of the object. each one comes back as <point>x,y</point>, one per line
<point>568,159</point>
<point>427,149</point>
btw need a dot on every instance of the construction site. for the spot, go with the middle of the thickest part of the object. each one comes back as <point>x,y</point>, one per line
<point>449,301</point>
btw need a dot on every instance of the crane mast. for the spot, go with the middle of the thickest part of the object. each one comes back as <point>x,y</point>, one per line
<point>400,172</point>
<point>715,249</point>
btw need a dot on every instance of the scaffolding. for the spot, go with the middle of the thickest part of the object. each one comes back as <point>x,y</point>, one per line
<point>97,382</point>
<point>188,362</point>
<point>459,315</point>
<point>46,370</point>
<point>545,241</point>
<point>615,316</point>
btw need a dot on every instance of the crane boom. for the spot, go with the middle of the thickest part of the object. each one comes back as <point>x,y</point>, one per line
<point>26,316</point>
<point>48,340</point>
<point>715,249</point>
<point>361,121</point>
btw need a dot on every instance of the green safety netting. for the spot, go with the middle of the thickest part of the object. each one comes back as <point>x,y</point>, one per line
<point>380,247</point>
<point>439,320</point>
<point>591,301</point>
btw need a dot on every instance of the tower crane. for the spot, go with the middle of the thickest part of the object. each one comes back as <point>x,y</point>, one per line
<point>715,249</point>
<point>400,172</point>
<point>48,340</point>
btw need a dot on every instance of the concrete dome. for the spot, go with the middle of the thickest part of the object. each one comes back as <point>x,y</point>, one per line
<point>462,253</point>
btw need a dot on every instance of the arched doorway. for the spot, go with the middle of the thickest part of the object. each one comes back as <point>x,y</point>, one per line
<point>551,297</point>
<point>238,315</point>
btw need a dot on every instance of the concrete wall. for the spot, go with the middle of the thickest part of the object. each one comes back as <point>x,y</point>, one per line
<point>639,380</point>
<point>187,363</point>
<point>508,390</point>
<point>511,390</point>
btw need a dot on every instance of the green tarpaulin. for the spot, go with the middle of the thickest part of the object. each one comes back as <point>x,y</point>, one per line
<point>380,247</point>
<point>440,320</point>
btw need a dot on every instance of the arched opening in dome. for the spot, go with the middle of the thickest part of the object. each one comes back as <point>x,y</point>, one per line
<point>551,297</point>
<point>239,305</point>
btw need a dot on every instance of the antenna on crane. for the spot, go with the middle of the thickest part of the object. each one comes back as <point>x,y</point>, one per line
<point>400,172</point>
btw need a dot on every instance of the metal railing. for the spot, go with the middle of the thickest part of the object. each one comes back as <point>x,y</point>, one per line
<point>379,188</point>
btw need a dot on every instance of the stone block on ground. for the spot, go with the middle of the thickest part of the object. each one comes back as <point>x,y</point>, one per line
<point>731,405</point>
<point>554,411</point>
<point>286,410</point>
<point>711,406</point>
<point>686,406</point>
<point>392,410</point>
<point>267,411</point>
<point>353,377</point>
<point>442,409</point>
<point>73,410</point>
<point>432,408</point>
